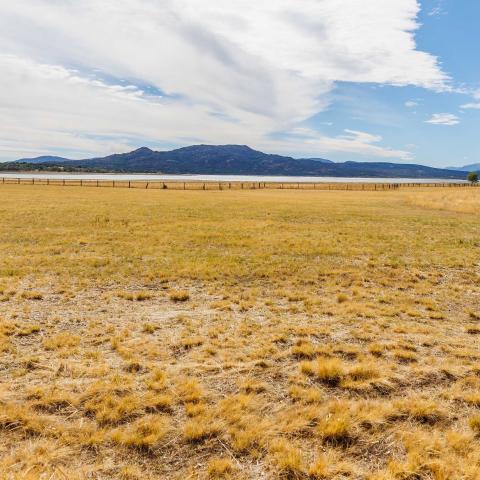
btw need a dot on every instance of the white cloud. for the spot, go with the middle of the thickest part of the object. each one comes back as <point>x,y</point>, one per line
<point>233,71</point>
<point>443,119</point>
<point>351,141</point>
<point>411,104</point>
<point>472,106</point>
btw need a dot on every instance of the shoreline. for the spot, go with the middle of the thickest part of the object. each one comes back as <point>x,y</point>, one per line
<point>201,178</point>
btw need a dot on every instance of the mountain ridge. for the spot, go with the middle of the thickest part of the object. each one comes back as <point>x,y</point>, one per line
<point>473,167</point>
<point>239,160</point>
<point>42,159</point>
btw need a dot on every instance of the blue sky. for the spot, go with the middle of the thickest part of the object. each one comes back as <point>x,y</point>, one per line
<point>450,31</point>
<point>395,80</point>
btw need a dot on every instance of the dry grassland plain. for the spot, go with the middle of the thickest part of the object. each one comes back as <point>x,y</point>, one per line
<point>242,335</point>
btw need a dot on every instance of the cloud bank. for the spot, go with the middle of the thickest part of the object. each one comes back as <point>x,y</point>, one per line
<point>99,76</point>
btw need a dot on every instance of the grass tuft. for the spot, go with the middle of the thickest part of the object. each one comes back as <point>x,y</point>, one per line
<point>179,296</point>
<point>326,370</point>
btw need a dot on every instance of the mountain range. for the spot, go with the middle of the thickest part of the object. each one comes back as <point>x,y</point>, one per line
<point>473,167</point>
<point>233,160</point>
<point>43,159</point>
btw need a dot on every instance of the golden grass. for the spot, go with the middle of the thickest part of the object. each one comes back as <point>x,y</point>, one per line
<point>467,200</point>
<point>179,296</point>
<point>242,335</point>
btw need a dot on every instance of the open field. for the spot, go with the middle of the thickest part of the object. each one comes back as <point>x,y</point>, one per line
<point>239,334</point>
<point>454,201</point>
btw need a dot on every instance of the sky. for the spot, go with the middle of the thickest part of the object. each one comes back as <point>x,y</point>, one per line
<point>360,80</point>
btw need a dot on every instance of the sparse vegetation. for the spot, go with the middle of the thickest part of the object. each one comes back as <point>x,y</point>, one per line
<point>239,334</point>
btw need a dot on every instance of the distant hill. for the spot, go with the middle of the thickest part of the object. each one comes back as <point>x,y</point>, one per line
<point>43,159</point>
<point>474,167</point>
<point>240,160</point>
<point>321,160</point>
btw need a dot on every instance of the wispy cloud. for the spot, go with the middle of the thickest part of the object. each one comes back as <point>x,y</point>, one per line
<point>411,104</point>
<point>475,106</point>
<point>366,144</point>
<point>444,119</point>
<point>262,67</point>
<point>439,9</point>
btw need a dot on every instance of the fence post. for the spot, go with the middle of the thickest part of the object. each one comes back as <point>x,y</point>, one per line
<point>63,182</point>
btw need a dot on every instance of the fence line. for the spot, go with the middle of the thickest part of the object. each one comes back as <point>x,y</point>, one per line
<point>236,185</point>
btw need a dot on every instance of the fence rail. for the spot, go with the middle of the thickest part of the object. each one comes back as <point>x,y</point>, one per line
<point>235,185</point>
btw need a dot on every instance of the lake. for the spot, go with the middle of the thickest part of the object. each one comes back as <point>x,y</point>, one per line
<point>217,178</point>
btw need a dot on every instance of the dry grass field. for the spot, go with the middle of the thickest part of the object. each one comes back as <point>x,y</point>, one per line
<point>463,201</point>
<point>241,335</point>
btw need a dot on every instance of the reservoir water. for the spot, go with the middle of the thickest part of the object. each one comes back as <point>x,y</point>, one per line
<point>217,178</point>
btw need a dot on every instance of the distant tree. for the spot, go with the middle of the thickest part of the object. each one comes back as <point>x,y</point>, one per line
<point>472,177</point>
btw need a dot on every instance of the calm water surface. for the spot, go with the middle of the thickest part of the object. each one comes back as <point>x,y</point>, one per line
<point>218,178</point>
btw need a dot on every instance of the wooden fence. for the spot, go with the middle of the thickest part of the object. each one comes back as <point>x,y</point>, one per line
<point>236,185</point>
